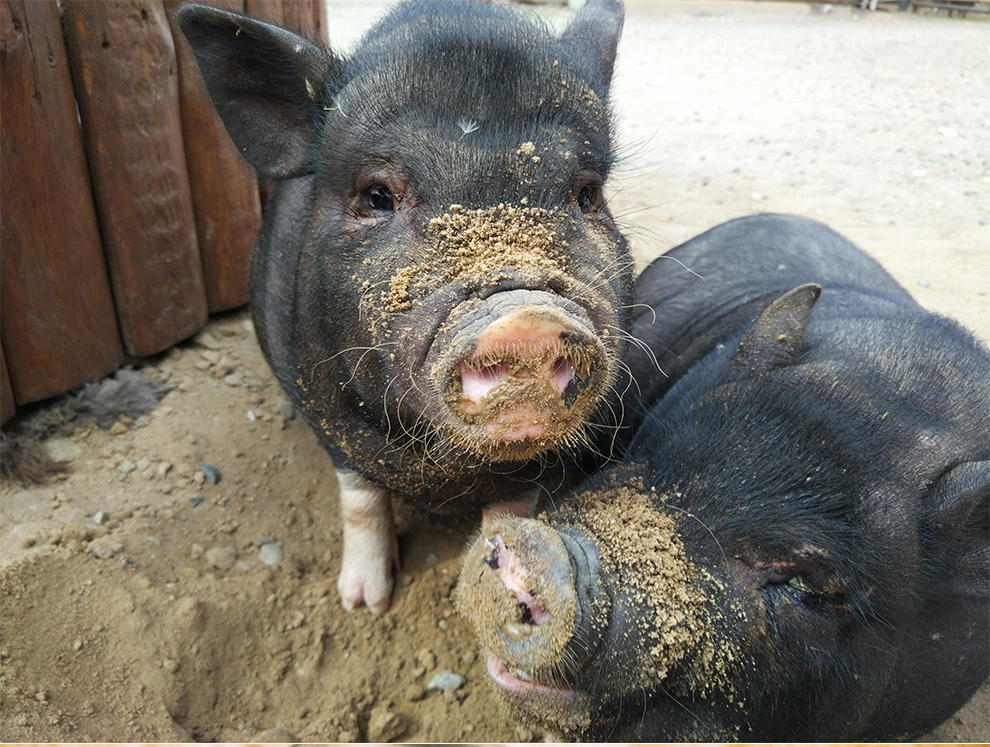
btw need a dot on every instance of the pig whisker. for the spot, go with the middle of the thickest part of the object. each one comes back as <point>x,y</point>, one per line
<point>636,342</point>
<point>366,349</point>
<point>707,528</point>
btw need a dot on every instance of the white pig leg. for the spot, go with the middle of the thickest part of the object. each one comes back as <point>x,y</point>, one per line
<point>370,545</point>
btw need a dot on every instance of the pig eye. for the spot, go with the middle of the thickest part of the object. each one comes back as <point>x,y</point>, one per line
<point>379,197</point>
<point>588,194</point>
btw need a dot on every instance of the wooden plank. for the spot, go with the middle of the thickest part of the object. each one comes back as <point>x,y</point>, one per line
<point>223,185</point>
<point>57,317</point>
<point>126,82</point>
<point>266,10</point>
<point>306,17</point>
<point>7,407</point>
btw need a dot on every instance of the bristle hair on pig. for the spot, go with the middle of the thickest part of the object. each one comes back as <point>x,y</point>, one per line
<point>793,545</point>
<point>438,284</point>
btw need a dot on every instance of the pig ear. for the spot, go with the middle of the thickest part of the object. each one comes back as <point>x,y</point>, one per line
<point>777,333</point>
<point>265,83</point>
<point>957,522</point>
<point>594,35</point>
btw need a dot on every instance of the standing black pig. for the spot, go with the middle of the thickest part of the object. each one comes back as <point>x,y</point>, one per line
<point>795,545</point>
<point>438,284</point>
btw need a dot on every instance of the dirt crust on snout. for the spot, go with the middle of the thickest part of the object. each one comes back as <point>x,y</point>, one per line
<point>482,245</point>
<point>640,550</point>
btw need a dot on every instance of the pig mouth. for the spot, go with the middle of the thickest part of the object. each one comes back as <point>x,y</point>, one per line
<point>520,376</point>
<point>517,682</point>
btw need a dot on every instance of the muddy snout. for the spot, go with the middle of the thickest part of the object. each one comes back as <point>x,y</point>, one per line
<point>521,372</point>
<point>516,588</point>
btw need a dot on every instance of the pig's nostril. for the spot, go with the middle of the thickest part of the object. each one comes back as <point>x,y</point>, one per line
<point>563,373</point>
<point>527,615</point>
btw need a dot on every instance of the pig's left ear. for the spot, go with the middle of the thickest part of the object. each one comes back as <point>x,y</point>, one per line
<point>593,35</point>
<point>265,83</point>
<point>956,524</point>
<point>777,333</point>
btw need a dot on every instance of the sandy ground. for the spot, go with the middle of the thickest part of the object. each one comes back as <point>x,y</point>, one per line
<point>875,123</point>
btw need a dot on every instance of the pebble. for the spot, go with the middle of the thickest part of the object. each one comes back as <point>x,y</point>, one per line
<point>126,467</point>
<point>63,449</point>
<point>233,380</point>
<point>432,559</point>
<point>446,680</point>
<point>384,725</point>
<point>271,553</point>
<point>222,558</point>
<point>104,548</point>
<point>286,410</point>
<point>426,658</point>
<point>206,340</point>
<point>100,517</point>
<point>211,473</point>
<point>196,500</point>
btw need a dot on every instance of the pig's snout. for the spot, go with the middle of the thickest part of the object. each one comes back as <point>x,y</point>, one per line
<point>523,375</point>
<point>518,590</point>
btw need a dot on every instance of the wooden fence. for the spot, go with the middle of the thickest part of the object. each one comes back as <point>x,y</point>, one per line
<point>126,214</point>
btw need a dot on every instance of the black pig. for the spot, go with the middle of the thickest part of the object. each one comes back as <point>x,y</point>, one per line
<point>438,284</point>
<point>795,544</point>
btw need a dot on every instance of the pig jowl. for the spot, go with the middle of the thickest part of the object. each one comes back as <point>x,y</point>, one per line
<point>794,543</point>
<point>438,284</point>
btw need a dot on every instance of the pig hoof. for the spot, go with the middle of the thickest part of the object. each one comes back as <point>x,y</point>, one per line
<point>372,590</point>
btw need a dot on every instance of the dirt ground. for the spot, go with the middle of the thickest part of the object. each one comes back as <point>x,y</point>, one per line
<point>163,623</point>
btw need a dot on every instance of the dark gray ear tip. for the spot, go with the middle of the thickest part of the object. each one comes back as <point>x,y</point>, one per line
<point>192,17</point>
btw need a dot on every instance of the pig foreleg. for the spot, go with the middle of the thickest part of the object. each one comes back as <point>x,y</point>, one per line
<point>370,545</point>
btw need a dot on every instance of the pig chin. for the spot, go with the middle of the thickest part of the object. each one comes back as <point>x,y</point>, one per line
<point>519,374</point>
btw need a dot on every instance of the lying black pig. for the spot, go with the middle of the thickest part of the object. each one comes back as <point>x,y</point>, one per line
<point>438,284</point>
<point>794,547</point>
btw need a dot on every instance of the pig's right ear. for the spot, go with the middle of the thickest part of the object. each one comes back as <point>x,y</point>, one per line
<point>777,334</point>
<point>956,522</point>
<point>265,83</point>
<point>594,35</point>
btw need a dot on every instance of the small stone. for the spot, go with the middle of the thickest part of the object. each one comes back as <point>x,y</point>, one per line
<point>432,559</point>
<point>211,473</point>
<point>77,645</point>
<point>196,500</point>
<point>170,665</point>
<point>126,467</point>
<point>206,340</point>
<point>446,680</point>
<point>384,725</point>
<point>211,356</point>
<point>105,548</point>
<point>100,517</point>
<point>62,449</point>
<point>286,409</point>
<point>415,693</point>
<point>233,380</point>
<point>271,553</point>
<point>143,464</point>
<point>222,558</point>
<point>163,468</point>
<point>118,429</point>
<point>426,658</point>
